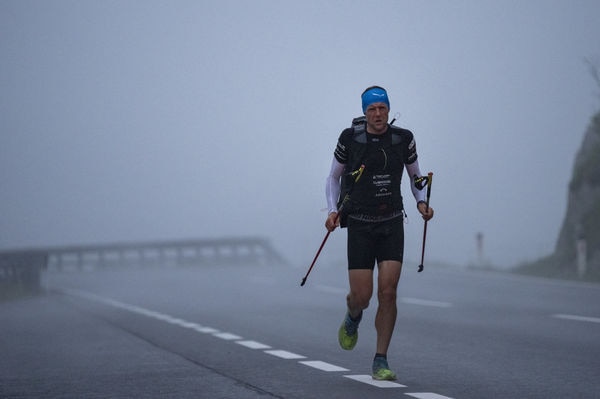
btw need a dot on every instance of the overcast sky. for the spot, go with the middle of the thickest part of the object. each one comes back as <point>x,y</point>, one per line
<point>143,120</point>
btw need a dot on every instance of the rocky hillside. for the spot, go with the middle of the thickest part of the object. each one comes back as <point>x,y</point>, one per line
<point>577,251</point>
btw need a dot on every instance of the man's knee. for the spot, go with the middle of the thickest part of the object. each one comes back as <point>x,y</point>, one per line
<point>359,300</point>
<point>387,296</point>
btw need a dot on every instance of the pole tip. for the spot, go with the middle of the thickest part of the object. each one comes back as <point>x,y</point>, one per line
<point>420,268</point>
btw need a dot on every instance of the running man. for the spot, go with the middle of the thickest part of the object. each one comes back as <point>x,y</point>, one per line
<point>373,214</point>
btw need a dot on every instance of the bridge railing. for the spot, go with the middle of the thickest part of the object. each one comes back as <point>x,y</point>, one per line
<point>23,267</point>
<point>20,270</point>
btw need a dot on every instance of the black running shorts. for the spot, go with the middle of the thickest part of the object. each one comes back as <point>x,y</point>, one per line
<point>369,242</point>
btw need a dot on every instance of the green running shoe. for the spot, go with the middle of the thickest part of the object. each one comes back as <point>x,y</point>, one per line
<point>346,338</point>
<point>347,341</point>
<point>383,374</point>
<point>381,370</point>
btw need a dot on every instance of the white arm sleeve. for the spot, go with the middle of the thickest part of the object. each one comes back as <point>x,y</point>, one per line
<point>333,185</point>
<point>413,170</point>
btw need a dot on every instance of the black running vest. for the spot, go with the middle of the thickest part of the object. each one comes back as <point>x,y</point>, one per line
<point>377,192</point>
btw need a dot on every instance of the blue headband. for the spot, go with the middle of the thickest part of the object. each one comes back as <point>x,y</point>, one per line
<point>374,95</point>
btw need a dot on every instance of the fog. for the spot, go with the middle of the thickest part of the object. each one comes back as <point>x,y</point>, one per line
<point>132,121</point>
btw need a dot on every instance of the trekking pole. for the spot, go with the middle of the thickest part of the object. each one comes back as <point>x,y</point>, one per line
<point>356,174</point>
<point>429,179</point>
<point>317,254</point>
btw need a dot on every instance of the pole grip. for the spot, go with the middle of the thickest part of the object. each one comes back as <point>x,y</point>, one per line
<point>429,180</point>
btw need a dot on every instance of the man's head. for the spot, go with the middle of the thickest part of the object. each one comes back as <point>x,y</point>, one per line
<point>374,94</point>
<point>376,107</point>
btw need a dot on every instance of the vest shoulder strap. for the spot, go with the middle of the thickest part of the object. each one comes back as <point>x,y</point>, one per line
<point>359,125</point>
<point>396,136</point>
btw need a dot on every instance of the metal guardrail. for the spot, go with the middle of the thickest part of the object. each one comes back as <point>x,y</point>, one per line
<point>23,267</point>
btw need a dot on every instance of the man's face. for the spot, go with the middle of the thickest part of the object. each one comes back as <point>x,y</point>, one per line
<point>377,118</point>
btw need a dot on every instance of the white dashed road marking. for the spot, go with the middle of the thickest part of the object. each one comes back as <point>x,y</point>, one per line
<point>253,345</point>
<point>323,366</point>
<point>283,354</point>
<point>227,336</point>
<point>427,395</point>
<point>187,324</point>
<point>367,379</point>
<point>578,318</point>
<point>205,330</point>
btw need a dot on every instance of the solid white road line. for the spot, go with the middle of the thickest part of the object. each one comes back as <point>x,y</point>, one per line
<point>577,318</point>
<point>323,366</point>
<point>367,379</point>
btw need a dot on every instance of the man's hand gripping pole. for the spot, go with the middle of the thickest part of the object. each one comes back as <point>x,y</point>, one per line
<point>356,174</point>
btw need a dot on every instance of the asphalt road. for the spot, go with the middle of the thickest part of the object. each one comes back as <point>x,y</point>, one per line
<point>245,333</point>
